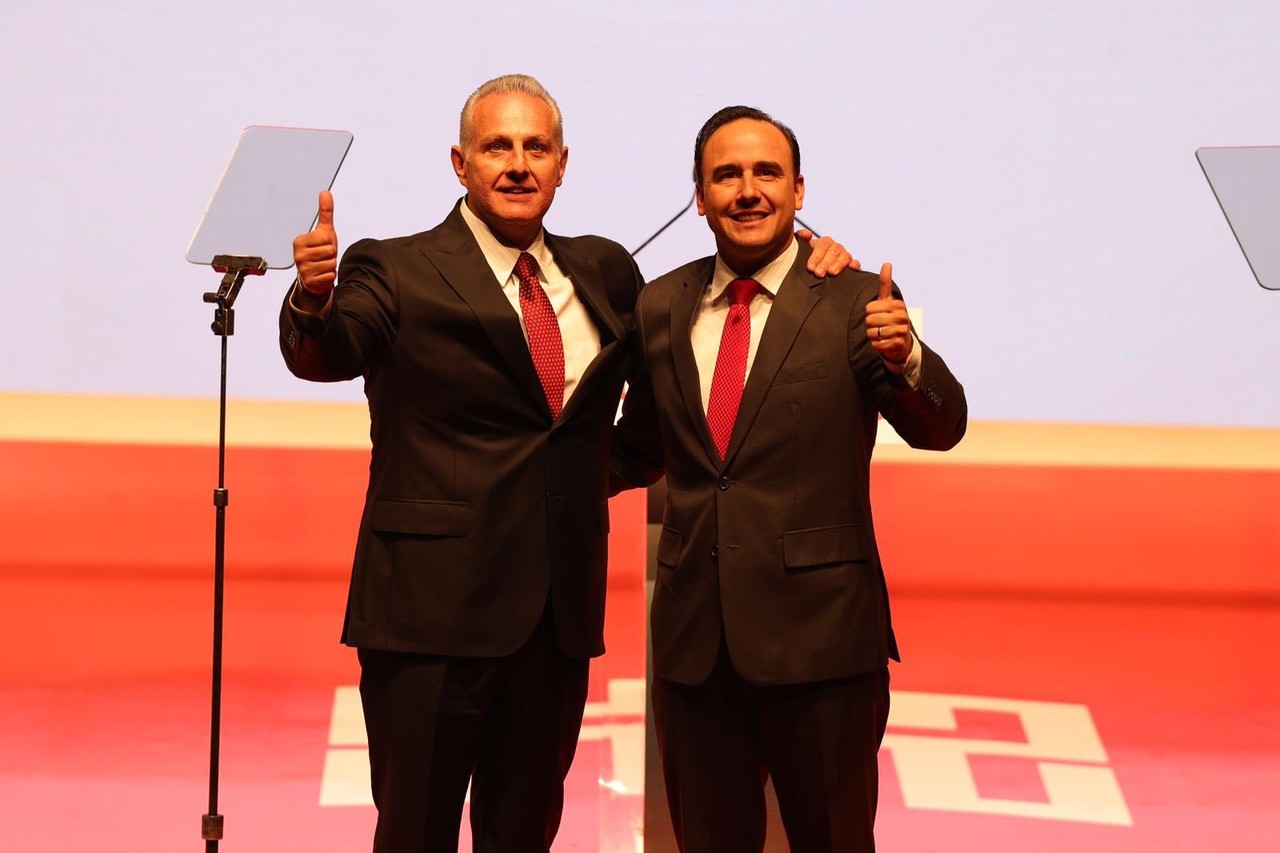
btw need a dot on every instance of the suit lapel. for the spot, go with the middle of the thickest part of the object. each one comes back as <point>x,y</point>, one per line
<point>463,266</point>
<point>583,272</point>
<point>588,283</point>
<point>792,304</point>
<point>683,306</point>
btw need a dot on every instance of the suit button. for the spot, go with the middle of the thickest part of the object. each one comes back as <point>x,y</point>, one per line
<point>715,552</point>
<point>723,484</point>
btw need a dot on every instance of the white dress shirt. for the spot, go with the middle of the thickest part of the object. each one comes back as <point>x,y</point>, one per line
<point>578,332</point>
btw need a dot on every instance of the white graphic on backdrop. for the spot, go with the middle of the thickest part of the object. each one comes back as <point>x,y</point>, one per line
<point>932,764</point>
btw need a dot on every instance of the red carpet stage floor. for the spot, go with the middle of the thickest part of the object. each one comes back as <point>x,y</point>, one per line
<point>1091,657</point>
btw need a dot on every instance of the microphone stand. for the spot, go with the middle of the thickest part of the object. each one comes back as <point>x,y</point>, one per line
<point>669,223</point>
<point>682,212</point>
<point>234,269</point>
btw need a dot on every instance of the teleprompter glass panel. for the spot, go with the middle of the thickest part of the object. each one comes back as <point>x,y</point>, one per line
<point>1246,181</point>
<point>267,193</point>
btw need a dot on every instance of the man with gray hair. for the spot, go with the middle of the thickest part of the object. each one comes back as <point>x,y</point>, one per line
<point>493,355</point>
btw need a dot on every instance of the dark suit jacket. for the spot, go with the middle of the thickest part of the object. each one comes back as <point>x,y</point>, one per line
<point>478,505</point>
<point>775,546</point>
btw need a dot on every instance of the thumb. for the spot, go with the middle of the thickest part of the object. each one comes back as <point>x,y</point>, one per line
<point>886,282</point>
<point>325,220</point>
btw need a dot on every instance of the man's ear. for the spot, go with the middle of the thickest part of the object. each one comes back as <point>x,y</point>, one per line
<point>799,191</point>
<point>564,161</point>
<point>459,164</point>
<point>697,195</point>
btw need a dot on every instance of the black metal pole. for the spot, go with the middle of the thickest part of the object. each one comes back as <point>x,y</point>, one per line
<point>235,268</point>
<point>211,823</point>
<point>682,212</point>
<point>668,224</point>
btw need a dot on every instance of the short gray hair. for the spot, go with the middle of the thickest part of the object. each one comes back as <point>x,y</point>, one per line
<point>507,83</point>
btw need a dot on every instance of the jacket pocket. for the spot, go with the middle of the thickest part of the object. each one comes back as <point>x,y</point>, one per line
<point>669,544</point>
<point>801,373</point>
<point>825,546</point>
<point>423,518</point>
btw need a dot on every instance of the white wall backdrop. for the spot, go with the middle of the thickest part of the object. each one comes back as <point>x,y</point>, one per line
<point>1027,166</point>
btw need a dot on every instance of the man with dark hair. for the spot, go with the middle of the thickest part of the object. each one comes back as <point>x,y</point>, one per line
<point>493,355</point>
<point>731,114</point>
<point>770,617</point>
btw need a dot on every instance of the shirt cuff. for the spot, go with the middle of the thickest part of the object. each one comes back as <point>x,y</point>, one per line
<point>300,297</point>
<point>911,371</point>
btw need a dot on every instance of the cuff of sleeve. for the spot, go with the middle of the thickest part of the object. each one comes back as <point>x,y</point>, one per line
<point>307,304</point>
<point>911,372</point>
<point>907,372</point>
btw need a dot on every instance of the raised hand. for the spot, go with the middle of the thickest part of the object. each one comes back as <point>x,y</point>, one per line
<point>829,257</point>
<point>316,252</point>
<point>888,326</point>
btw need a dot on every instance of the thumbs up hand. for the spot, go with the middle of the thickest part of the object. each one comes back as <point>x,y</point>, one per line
<point>888,327</point>
<point>316,252</point>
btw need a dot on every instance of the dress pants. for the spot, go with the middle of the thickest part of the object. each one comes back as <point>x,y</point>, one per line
<point>722,739</point>
<point>509,726</point>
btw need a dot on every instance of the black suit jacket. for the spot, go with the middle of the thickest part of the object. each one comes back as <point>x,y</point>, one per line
<point>774,546</point>
<point>479,506</point>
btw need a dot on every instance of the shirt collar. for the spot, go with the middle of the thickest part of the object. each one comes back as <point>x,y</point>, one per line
<point>769,276</point>
<point>501,258</point>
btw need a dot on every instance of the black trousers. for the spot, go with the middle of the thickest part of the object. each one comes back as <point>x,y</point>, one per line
<point>722,739</point>
<point>509,726</point>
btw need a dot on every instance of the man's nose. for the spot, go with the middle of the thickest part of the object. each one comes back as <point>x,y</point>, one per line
<point>517,162</point>
<point>747,194</point>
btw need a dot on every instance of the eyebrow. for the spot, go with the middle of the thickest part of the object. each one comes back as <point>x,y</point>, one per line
<point>511,137</point>
<point>757,166</point>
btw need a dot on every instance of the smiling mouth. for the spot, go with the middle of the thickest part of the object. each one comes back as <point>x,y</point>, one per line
<point>749,217</point>
<point>517,191</point>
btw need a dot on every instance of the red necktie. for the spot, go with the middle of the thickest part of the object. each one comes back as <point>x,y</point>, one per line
<point>731,363</point>
<point>544,332</point>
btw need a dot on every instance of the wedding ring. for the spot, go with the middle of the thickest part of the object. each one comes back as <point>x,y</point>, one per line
<point>879,332</point>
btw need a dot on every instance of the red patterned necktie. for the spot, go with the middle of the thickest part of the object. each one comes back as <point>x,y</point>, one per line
<point>731,363</point>
<point>543,330</point>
